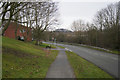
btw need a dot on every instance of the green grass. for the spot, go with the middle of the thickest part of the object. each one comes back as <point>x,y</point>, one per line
<point>25,60</point>
<point>111,51</point>
<point>61,47</point>
<point>45,44</point>
<point>84,69</point>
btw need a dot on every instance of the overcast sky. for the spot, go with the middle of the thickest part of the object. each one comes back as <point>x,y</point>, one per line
<point>71,10</point>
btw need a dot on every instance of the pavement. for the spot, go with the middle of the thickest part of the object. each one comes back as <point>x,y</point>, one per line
<point>60,68</point>
<point>106,61</point>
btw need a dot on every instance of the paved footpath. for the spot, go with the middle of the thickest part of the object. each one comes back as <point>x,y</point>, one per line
<point>60,68</point>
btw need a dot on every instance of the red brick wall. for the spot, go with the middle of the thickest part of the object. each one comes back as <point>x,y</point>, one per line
<point>10,32</point>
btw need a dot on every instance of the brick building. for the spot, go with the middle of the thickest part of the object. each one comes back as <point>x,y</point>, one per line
<point>23,32</point>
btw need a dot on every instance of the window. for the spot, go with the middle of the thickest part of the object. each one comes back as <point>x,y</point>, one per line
<point>22,31</point>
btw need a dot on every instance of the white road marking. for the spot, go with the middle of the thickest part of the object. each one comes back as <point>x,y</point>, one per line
<point>68,49</point>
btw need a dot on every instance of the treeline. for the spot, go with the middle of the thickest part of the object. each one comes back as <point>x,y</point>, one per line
<point>38,16</point>
<point>103,32</point>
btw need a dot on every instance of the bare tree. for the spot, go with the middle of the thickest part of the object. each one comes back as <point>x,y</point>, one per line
<point>8,10</point>
<point>107,21</point>
<point>78,25</point>
<point>44,17</point>
<point>103,32</point>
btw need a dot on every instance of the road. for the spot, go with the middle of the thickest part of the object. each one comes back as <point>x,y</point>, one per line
<point>60,68</point>
<point>106,61</point>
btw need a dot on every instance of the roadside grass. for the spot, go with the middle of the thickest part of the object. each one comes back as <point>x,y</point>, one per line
<point>61,47</point>
<point>25,60</point>
<point>111,51</point>
<point>45,44</point>
<point>84,69</point>
<point>87,46</point>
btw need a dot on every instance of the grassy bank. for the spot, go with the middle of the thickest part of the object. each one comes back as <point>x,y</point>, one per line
<point>43,45</point>
<point>25,60</point>
<point>61,47</point>
<point>85,69</point>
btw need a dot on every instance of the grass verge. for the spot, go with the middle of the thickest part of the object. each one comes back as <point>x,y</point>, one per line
<point>85,69</point>
<point>110,51</point>
<point>43,45</point>
<point>87,46</point>
<point>25,60</point>
<point>61,47</point>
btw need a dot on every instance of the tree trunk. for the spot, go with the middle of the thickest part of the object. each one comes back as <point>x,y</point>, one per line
<point>5,28</point>
<point>37,42</point>
<point>16,31</point>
